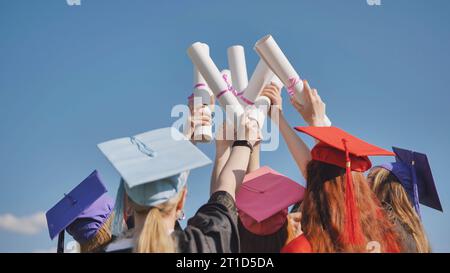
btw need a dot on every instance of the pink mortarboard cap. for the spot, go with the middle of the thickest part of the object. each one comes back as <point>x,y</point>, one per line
<point>263,200</point>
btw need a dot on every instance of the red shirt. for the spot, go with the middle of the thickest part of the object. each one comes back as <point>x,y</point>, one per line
<point>298,245</point>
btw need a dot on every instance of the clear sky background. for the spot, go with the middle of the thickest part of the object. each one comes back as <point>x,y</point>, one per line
<point>74,76</point>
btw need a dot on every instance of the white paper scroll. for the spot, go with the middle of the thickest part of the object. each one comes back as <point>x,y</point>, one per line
<point>271,53</point>
<point>238,67</point>
<point>202,96</point>
<point>260,78</point>
<point>215,81</point>
<point>276,81</point>
<point>262,103</point>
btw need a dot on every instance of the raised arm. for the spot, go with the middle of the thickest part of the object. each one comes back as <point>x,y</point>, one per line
<point>223,150</point>
<point>313,111</point>
<point>236,166</point>
<point>297,147</point>
<point>254,163</point>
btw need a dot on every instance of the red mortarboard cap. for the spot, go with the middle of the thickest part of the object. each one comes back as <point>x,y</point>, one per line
<point>263,199</point>
<point>340,148</point>
<point>335,142</point>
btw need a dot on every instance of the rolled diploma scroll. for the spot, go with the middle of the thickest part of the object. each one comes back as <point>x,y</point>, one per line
<point>262,104</point>
<point>271,53</point>
<point>260,77</point>
<point>215,81</point>
<point>202,96</point>
<point>238,67</point>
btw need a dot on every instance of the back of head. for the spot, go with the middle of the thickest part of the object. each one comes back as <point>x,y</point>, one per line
<point>154,204</point>
<point>102,237</point>
<point>324,211</point>
<point>254,243</point>
<point>390,191</point>
<point>154,236</point>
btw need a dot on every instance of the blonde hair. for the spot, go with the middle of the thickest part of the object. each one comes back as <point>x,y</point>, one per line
<point>154,237</point>
<point>389,190</point>
<point>101,238</point>
<point>292,232</point>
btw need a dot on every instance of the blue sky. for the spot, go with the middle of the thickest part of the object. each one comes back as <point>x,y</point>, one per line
<point>74,76</point>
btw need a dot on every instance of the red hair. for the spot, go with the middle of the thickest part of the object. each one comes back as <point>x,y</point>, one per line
<point>323,212</point>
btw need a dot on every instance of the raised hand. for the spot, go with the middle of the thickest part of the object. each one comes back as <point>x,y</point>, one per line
<point>313,108</point>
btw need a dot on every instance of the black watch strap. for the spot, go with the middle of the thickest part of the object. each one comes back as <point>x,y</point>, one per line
<point>244,143</point>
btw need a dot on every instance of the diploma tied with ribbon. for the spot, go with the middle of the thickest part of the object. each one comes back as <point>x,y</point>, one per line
<point>201,96</point>
<point>272,55</point>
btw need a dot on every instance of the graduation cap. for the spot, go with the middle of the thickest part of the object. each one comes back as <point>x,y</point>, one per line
<point>263,200</point>
<point>82,211</point>
<point>414,173</point>
<point>341,149</point>
<point>154,167</point>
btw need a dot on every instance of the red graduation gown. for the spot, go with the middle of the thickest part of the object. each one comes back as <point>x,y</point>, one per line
<point>298,245</point>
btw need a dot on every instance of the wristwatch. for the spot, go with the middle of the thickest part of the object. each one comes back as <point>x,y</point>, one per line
<point>244,143</point>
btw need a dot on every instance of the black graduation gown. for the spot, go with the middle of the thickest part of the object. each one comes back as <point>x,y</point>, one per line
<point>213,229</point>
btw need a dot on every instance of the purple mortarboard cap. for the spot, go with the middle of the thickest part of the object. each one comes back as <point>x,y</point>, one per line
<point>414,173</point>
<point>75,205</point>
<point>91,220</point>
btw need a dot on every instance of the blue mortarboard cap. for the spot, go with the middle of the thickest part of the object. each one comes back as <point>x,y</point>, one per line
<point>153,155</point>
<point>68,209</point>
<point>154,167</point>
<point>157,192</point>
<point>414,173</point>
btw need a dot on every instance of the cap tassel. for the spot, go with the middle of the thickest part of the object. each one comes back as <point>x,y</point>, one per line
<point>60,248</point>
<point>415,189</point>
<point>352,229</point>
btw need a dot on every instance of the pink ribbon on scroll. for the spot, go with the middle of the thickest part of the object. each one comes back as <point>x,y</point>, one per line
<point>244,99</point>
<point>230,88</point>
<point>198,85</point>
<point>292,82</point>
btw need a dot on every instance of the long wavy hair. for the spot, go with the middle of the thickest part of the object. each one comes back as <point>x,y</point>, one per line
<point>323,212</point>
<point>388,189</point>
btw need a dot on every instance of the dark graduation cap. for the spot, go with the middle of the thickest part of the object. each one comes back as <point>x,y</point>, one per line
<point>413,171</point>
<point>73,205</point>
